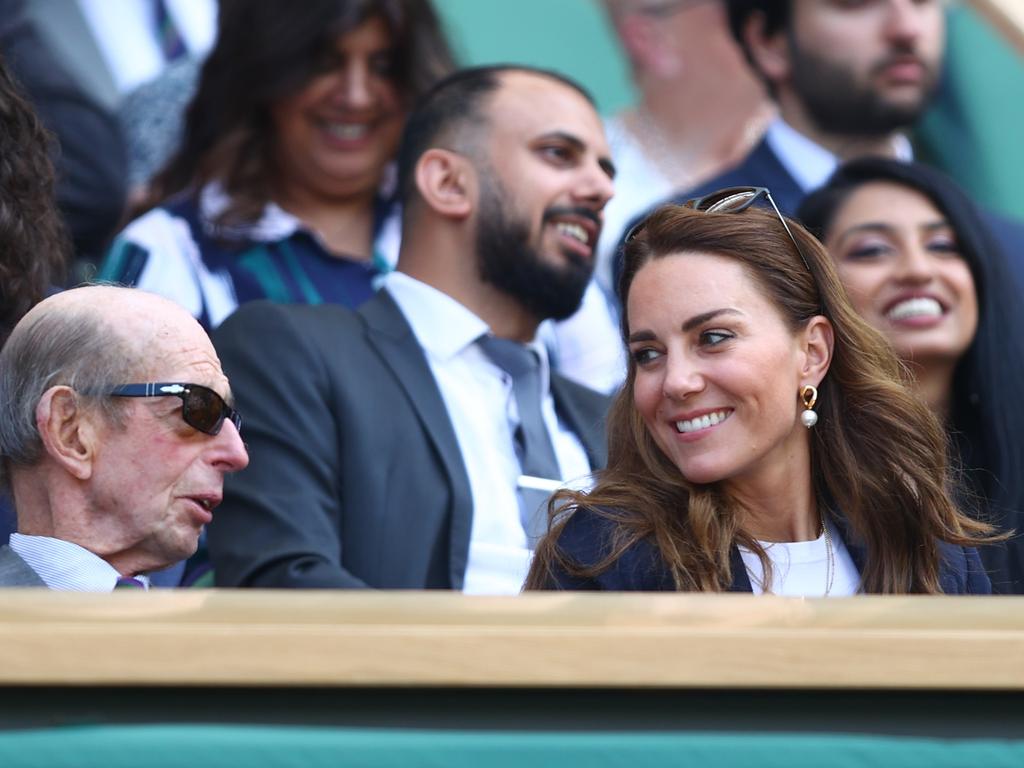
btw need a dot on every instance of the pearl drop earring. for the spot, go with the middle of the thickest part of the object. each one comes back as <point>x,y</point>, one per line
<point>809,396</point>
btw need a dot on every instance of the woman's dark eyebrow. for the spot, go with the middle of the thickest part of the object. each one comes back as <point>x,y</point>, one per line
<point>888,229</point>
<point>868,226</point>
<point>703,317</point>
<point>689,325</point>
<point>642,336</point>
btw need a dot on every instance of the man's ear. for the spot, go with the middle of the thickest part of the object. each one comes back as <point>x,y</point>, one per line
<point>818,343</point>
<point>770,53</point>
<point>446,181</point>
<point>68,430</point>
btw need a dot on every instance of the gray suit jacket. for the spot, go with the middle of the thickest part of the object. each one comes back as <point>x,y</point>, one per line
<point>15,572</point>
<point>356,478</point>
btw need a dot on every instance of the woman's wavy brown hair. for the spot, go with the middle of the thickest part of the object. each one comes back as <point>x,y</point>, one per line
<point>267,50</point>
<point>878,455</point>
<point>34,247</point>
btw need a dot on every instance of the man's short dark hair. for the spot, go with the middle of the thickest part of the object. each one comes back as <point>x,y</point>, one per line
<point>453,103</point>
<point>776,15</point>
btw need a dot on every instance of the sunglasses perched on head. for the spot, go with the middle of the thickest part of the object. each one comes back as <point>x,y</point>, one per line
<point>735,200</point>
<point>202,408</point>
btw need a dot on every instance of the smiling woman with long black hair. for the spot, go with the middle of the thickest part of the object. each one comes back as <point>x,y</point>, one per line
<point>764,440</point>
<point>921,266</point>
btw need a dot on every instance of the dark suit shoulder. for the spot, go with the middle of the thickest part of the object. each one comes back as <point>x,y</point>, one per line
<point>299,340</point>
<point>260,315</point>
<point>15,572</point>
<point>588,537</point>
<point>961,571</point>
<point>760,168</point>
<point>584,392</point>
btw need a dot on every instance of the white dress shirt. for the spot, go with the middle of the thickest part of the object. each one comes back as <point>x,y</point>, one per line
<point>66,566</point>
<point>482,407</point>
<point>126,34</point>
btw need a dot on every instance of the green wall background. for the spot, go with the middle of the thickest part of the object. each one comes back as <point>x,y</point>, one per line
<point>975,130</point>
<point>571,36</point>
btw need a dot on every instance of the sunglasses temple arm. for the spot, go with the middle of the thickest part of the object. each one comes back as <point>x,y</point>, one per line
<point>789,232</point>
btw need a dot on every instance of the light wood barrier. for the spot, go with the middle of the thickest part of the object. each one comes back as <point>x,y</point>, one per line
<point>1007,16</point>
<point>935,668</point>
<point>410,639</point>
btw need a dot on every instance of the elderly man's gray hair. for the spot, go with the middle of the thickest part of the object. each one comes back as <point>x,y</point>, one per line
<point>73,347</point>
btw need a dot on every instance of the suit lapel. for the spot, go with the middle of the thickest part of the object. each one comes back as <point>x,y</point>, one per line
<point>389,333</point>
<point>740,579</point>
<point>589,429</point>
<point>763,164</point>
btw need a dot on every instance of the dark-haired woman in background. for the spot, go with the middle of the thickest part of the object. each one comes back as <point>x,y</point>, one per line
<point>763,440</point>
<point>34,246</point>
<point>33,242</point>
<point>921,267</point>
<point>281,187</point>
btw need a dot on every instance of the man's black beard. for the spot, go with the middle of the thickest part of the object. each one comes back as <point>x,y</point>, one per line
<point>839,105</point>
<point>508,262</point>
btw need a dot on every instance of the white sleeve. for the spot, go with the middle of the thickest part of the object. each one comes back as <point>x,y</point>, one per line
<point>172,266</point>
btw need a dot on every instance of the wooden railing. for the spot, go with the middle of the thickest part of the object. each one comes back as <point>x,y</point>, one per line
<point>1007,16</point>
<point>405,639</point>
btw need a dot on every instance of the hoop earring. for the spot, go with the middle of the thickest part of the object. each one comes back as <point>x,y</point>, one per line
<point>808,396</point>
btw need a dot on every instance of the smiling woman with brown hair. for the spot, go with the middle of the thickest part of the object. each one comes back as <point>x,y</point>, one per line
<point>763,440</point>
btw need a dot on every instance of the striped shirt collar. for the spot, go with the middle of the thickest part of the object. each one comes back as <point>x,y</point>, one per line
<point>66,566</point>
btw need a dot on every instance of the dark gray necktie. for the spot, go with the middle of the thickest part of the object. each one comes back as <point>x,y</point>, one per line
<point>533,445</point>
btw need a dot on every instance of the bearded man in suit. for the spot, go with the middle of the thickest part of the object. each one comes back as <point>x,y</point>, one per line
<point>401,446</point>
<point>850,79</point>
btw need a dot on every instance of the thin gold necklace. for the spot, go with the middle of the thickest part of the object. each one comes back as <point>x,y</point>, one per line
<point>830,557</point>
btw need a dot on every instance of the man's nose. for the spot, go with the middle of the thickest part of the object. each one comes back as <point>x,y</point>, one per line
<point>905,20</point>
<point>230,452</point>
<point>595,187</point>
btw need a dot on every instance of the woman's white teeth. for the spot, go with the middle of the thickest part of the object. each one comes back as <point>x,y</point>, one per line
<point>347,131</point>
<point>574,231</point>
<point>702,422</point>
<point>919,307</point>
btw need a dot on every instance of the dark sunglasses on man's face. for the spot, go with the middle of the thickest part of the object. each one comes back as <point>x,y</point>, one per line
<point>202,408</point>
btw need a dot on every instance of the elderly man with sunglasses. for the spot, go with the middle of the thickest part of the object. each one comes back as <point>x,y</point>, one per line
<point>115,438</point>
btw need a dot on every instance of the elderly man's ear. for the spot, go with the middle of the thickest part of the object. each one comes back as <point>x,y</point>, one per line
<point>68,430</point>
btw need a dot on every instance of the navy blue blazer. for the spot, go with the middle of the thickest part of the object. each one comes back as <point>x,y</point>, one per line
<point>763,168</point>
<point>586,537</point>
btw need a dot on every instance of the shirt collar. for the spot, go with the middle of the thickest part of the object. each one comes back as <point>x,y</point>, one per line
<point>67,566</point>
<point>274,224</point>
<point>808,162</point>
<point>443,326</point>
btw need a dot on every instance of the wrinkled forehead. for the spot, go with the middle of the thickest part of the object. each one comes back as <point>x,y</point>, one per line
<point>176,348</point>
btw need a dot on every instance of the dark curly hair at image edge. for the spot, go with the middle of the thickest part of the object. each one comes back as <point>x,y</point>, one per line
<point>33,243</point>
